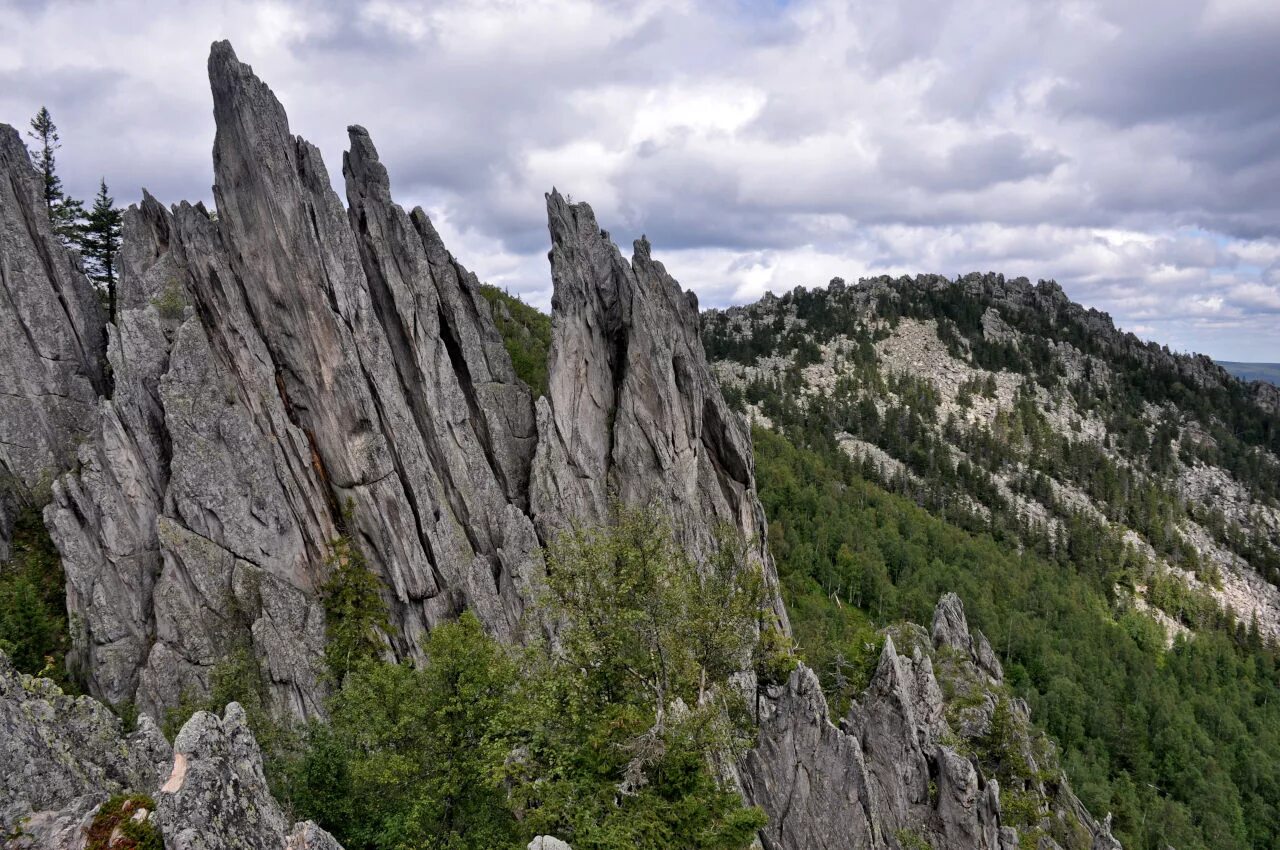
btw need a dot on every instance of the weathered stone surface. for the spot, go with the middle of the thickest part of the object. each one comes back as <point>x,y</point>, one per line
<point>62,755</point>
<point>950,627</point>
<point>294,367</point>
<point>216,796</point>
<point>633,409</point>
<point>196,477</point>
<point>547,842</point>
<point>890,769</point>
<point>51,342</point>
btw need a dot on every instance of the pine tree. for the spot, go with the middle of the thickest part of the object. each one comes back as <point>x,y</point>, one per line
<point>100,243</point>
<point>65,213</point>
<point>45,133</point>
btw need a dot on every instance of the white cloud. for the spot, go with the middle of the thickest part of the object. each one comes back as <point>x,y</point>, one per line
<point>1130,152</point>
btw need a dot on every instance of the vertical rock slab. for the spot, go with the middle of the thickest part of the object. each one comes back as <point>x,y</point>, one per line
<point>196,493</point>
<point>471,414</point>
<point>271,394</point>
<point>421,516</point>
<point>634,411</point>
<point>52,342</point>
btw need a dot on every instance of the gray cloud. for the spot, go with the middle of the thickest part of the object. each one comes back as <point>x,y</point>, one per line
<point>1132,151</point>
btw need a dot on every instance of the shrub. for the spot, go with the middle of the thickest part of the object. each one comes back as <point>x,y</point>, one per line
<point>117,817</point>
<point>33,619</point>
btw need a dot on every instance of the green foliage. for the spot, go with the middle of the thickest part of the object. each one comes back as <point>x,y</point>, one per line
<point>65,213</point>
<point>411,756</point>
<point>526,332</point>
<point>1182,746</point>
<point>170,303</point>
<point>608,741</point>
<point>910,839</point>
<point>100,245</point>
<point>33,618</point>
<point>117,813</point>
<point>355,617</point>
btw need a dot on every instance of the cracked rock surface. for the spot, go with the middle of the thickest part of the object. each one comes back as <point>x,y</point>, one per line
<point>61,755</point>
<point>294,368</point>
<point>51,342</point>
<point>894,767</point>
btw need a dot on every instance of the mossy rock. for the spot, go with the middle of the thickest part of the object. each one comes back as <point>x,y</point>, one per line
<point>125,822</point>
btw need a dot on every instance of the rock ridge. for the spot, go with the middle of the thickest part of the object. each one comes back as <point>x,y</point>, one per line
<point>293,369</point>
<point>900,766</point>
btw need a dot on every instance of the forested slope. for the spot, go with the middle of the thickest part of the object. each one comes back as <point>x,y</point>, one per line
<point>1105,509</point>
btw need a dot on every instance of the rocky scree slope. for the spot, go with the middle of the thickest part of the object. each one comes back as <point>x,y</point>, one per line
<point>1007,403</point>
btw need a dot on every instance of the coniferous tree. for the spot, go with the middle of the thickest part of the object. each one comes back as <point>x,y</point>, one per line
<point>45,134</point>
<point>65,213</point>
<point>100,243</point>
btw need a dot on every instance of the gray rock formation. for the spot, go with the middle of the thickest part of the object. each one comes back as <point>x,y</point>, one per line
<point>633,411</point>
<point>60,756</point>
<point>51,342</point>
<point>216,796</point>
<point>292,370</point>
<point>547,842</point>
<point>893,769</point>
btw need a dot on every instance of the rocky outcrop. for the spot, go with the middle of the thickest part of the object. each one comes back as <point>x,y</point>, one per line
<point>51,342</point>
<point>633,411</point>
<point>60,756</point>
<point>216,795</point>
<point>900,767</point>
<point>291,370</point>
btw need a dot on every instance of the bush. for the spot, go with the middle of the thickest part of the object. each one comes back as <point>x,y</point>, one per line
<point>117,816</point>
<point>607,742</point>
<point>33,618</point>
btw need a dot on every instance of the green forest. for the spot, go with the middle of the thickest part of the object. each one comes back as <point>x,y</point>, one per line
<point>1182,746</point>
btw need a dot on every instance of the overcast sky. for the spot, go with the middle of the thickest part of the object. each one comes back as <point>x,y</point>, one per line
<point>1129,150</point>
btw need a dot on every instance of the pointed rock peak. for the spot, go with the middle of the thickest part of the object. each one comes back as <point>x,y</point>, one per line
<point>247,114</point>
<point>950,627</point>
<point>11,146</point>
<point>565,217</point>
<point>888,675</point>
<point>362,167</point>
<point>641,250</point>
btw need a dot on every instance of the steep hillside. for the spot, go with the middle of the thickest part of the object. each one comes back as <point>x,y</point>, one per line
<point>1108,510</point>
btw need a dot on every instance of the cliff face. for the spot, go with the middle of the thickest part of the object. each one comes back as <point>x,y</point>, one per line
<point>292,370</point>
<point>51,342</point>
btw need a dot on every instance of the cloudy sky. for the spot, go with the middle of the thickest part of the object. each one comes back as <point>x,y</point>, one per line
<point>1129,150</point>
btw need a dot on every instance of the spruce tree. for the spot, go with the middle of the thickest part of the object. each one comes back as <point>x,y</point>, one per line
<point>45,134</point>
<point>100,244</point>
<point>65,213</point>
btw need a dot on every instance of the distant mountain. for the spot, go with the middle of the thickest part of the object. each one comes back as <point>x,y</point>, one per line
<point>1107,509</point>
<point>1269,372</point>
